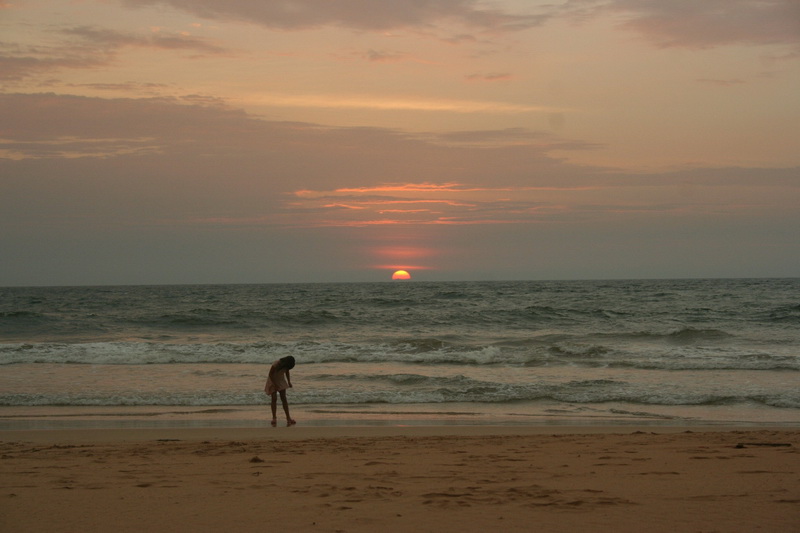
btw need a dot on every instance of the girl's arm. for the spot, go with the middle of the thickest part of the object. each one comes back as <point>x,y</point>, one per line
<point>288,379</point>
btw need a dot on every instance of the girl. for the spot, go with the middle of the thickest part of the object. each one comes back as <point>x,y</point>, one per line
<point>277,383</point>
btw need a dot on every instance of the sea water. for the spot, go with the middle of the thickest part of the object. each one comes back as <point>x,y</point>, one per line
<point>528,352</point>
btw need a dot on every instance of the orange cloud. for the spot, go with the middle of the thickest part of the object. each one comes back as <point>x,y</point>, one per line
<point>366,101</point>
<point>404,187</point>
<point>396,266</point>
<point>343,206</point>
<point>429,203</point>
<point>384,211</point>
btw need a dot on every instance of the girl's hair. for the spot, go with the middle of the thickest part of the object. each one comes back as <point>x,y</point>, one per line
<point>287,362</point>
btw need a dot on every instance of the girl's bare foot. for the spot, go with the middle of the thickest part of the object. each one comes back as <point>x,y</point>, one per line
<point>274,423</point>
<point>290,422</point>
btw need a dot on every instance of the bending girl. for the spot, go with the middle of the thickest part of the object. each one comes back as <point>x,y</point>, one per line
<point>277,383</point>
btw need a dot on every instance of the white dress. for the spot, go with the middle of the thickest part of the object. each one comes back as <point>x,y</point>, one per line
<point>278,381</point>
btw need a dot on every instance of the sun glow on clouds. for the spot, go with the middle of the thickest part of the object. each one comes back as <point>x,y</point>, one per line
<point>412,256</point>
<point>450,203</point>
<point>394,104</point>
<point>404,253</point>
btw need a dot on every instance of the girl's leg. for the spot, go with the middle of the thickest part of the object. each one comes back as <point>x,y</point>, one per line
<point>285,402</point>
<point>274,406</point>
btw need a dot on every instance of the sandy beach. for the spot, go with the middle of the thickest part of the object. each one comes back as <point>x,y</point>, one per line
<point>402,479</point>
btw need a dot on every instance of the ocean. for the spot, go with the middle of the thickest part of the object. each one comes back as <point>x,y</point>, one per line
<point>715,351</point>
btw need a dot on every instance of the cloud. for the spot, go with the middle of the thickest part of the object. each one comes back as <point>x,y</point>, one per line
<point>18,62</point>
<point>157,143</point>
<point>86,47</point>
<point>492,76</point>
<point>389,103</point>
<point>721,83</point>
<point>47,125</point>
<point>354,14</point>
<point>157,39</point>
<point>422,204</point>
<point>146,88</point>
<point>599,197</point>
<point>700,24</point>
<point>85,162</point>
<point>460,39</point>
<point>509,139</point>
<point>211,165</point>
<point>504,136</point>
<point>382,56</point>
<point>174,190</point>
<point>48,118</point>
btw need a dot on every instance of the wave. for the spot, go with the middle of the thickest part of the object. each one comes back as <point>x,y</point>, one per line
<point>20,315</point>
<point>231,323</point>
<point>235,320</point>
<point>195,317</point>
<point>683,335</point>
<point>786,314</point>
<point>697,335</point>
<point>418,389</point>
<point>582,351</point>
<point>18,322</point>
<point>548,351</point>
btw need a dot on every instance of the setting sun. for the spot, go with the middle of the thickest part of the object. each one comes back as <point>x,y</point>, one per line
<point>401,274</point>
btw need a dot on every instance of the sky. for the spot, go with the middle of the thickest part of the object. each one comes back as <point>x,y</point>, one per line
<point>252,141</point>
